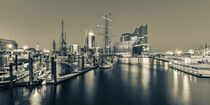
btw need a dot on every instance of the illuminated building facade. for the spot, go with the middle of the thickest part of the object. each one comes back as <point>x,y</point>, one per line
<point>75,49</point>
<point>7,44</point>
<point>133,44</point>
<point>90,41</point>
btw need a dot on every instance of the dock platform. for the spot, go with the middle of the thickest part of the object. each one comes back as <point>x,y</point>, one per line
<point>196,70</point>
<point>69,76</point>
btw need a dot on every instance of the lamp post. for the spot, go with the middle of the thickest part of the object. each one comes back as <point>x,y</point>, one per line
<point>10,46</point>
<point>11,60</point>
<point>25,47</point>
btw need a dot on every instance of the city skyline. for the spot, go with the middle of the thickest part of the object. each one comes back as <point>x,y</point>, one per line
<point>171,24</point>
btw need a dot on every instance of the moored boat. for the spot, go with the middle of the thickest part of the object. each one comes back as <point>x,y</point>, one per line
<point>106,65</point>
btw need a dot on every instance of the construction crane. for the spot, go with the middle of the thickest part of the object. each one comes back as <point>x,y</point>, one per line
<point>106,34</point>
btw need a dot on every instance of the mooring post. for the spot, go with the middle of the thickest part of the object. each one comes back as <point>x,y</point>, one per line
<point>11,74</point>
<point>94,61</point>
<point>71,60</point>
<point>47,63</point>
<point>16,62</point>
<point>40,59</point>
<point>53,70</point>
<point>31,71</point>
<point>83,62</point>
<point>55,74</point>
<point>52,67</point>
<point>29,56</point>
<point>78,61</point>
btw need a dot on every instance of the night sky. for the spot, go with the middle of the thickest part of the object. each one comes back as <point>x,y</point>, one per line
<point>172,24</point>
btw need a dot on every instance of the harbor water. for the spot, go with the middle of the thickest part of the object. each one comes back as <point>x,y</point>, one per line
<point>147,82</point>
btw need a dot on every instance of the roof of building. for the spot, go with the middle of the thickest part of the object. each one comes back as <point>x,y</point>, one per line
<point>6,40</point>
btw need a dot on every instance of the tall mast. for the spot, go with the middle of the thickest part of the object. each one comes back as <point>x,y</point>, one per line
<point>63,41</point>
<point>54,45</point>
<point>106,35</point>
<point>65,36</point>
<point>62,34</point>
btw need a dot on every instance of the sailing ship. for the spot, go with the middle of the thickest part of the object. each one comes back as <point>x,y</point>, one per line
<point>105,61</point>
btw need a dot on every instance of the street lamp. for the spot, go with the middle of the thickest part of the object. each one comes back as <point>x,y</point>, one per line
<point>25,47</point>
<point>178,52</point>
<point>9,46</point>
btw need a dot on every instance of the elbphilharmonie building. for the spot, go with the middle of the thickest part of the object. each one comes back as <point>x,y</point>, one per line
<point>133,44</point>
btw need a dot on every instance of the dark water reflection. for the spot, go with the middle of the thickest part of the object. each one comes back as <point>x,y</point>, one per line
<point>150,82</point>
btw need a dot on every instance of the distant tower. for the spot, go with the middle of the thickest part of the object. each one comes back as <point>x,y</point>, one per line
<point>37,46</point>
<point>54,45</point>
<point>90,40</point>
<point>63,49</point>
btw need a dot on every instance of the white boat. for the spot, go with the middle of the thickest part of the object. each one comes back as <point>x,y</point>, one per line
<point>106,65</point>
<point>44,82</point>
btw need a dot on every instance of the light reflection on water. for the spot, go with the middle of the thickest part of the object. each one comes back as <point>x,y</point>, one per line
<point>134,76</point>
<point>89,83</point>
<point>143,82</point>
<point>175,84</point>
<point>125,72</point>
<point>145,75</point>
<point>186,90</point>
<point>166,66</point>
<point>155,64</point>
<point>35,97</point>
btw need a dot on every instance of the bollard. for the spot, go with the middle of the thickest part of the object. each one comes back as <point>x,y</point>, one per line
<point>78,61</point>
<point>71,61</point>
<point>55,74</point>
<point>52,66</point>
<point>31,72</point>
<point>47,63</point>
<point>16,62</point>
<point>29,56</point>
<point>83,62</point>
<point>11,75</point>
<point>40,60</point>
<point>94,61</point>
<point>53,70</point>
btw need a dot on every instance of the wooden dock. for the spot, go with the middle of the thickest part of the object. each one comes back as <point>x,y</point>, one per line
<point>70,76</point>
